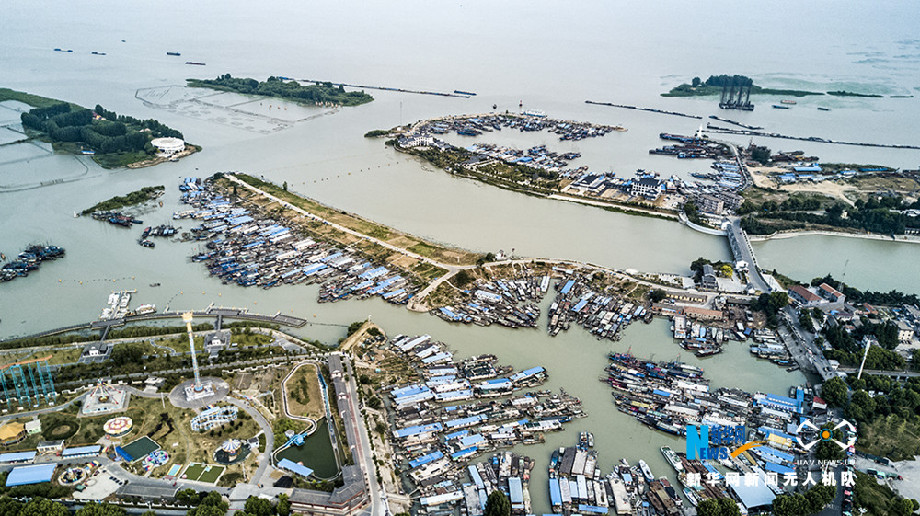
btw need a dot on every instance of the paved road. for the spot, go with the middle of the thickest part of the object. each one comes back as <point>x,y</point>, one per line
<point>363,454</point>
<point>742,250</point>
<point>801,345</point>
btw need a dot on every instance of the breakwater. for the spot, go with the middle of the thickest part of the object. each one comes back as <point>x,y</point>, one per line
<point>652,110</point>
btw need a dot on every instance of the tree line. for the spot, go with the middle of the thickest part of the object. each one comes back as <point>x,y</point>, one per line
<point>103,131</point>
<point>275,87</point>
<point>883,216</point>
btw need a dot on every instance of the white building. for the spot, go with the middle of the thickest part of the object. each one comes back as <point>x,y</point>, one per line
<point>168,146</point>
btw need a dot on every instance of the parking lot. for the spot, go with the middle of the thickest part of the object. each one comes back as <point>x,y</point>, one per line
<point>99,486</point>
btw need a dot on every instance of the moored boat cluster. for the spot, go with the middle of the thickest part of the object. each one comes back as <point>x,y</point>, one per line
<point>251,249</point>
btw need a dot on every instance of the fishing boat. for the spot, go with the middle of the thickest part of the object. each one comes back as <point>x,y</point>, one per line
<point>194,63</point>
<point>173,54</point>
<point>672,458</point>
<point>824,109</point>
<point>790,102</point>
<point>777,106</point>
<point>691,496</point>
<point>154,284</point>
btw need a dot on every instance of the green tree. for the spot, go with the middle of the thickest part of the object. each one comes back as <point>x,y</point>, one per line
<point>862,406</point>
<point>834,392</point>
<point>696,82</point>
<point>43,507</point>
<point>718,507</point>
<point>100,509</point>
<point>284,505</point>
<point>207,510</point>
<point>9,505</point>
<point>656,295</point>
<point>284,186</point>
<point>259,507</point>
<point>497,504</point>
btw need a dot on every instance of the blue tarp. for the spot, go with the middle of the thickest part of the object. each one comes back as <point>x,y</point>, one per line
<point>593,509</point>
<point>34,474</point>
<point>293,467</point>
<point>568,286</point>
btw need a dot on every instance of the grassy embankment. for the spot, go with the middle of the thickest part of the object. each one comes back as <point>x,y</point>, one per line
<point>424,272</point>
<point>303,393</point>
<point>893,437</point>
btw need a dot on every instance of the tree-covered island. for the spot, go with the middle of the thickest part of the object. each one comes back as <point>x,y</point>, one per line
<point>713,86</point>
<point>113,140</point>
<point>318,93</point>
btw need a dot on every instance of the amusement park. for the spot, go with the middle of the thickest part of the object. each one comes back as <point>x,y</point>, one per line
<point>274,426</point>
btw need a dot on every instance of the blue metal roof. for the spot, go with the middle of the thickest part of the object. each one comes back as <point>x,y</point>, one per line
<point>425,459</point>
<point>291,466</point>
<point>568,286</point>
<point>516,489</point>
<point>34,474</point>
<point>82,450</point>
<point>555,496</point>
<point>17,456</point>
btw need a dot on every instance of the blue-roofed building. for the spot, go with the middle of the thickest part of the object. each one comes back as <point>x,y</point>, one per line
<point>81,451</point>
<point>568,286</point>
<point>471,440</point>
<point>463,453</point>
<point>33,474</point>
<point>419,429</point>
<point>555,496</point>
<point>17,457</point>
<point>754,498</point>
<point>516,493</point>
<point>592,509</point>
<point>425,459</point>
<point>294,467</point>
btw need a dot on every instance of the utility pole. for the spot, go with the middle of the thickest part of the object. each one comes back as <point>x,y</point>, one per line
<point>868,345</point>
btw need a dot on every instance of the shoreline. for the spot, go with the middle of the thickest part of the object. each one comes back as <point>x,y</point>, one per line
<point>906,239</point>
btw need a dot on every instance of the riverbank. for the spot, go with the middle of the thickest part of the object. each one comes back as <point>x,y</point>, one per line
<point>907,239</point>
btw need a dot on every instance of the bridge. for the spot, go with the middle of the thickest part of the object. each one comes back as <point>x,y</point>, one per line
<point>742,251</point>
<point>220,313</point>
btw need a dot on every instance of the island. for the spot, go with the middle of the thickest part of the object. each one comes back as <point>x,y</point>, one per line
<point>112,140</point>
<point>714,84</point>
<point>145,194</point>
<point>321,93</point>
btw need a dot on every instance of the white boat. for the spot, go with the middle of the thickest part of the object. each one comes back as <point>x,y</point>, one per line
<point>691,496</point>
<point>672,458</point>
<point>145,309</point>
<point>646,471</point>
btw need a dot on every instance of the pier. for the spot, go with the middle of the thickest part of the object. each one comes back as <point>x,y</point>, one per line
<point>652,110</point>
<point>387,88</point>
<point>815,139</point>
